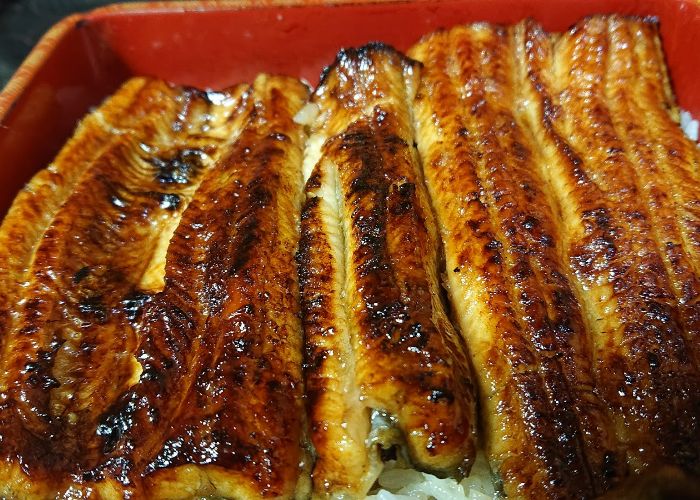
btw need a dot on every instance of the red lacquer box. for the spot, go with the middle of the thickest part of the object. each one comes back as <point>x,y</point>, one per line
<point>85,57</point>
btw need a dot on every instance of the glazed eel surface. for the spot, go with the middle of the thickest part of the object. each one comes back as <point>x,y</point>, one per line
<point>379,346</point>
<point>156,294</point>
<point>567,198</point>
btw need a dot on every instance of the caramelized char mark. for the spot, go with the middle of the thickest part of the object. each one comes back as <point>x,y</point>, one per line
<point>36,205</point>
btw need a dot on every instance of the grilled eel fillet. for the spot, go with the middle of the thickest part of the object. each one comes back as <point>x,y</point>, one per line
<point>567,198</point>
<point>378,341</point>
<point>111,388</point>
<point>628,192</point>
<point>546,431</point>
<point>625,180</point>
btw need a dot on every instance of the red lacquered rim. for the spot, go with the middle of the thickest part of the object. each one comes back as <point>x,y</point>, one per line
<point>46,45</point>
<point>208,5</point>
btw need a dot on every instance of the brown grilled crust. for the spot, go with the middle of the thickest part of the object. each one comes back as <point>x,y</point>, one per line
<point>610,233</point>
<point>71,354</point>
<point>408,361</point>
<point>547,432</point>
<point>404,360</point>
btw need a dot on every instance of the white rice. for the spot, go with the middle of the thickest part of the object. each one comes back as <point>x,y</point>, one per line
<point>397,483</point>
<point>689,125</point>
<point>307,114</point>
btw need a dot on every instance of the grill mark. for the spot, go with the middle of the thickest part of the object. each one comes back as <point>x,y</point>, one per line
<point>366,190</point>
<point>178,168</point>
